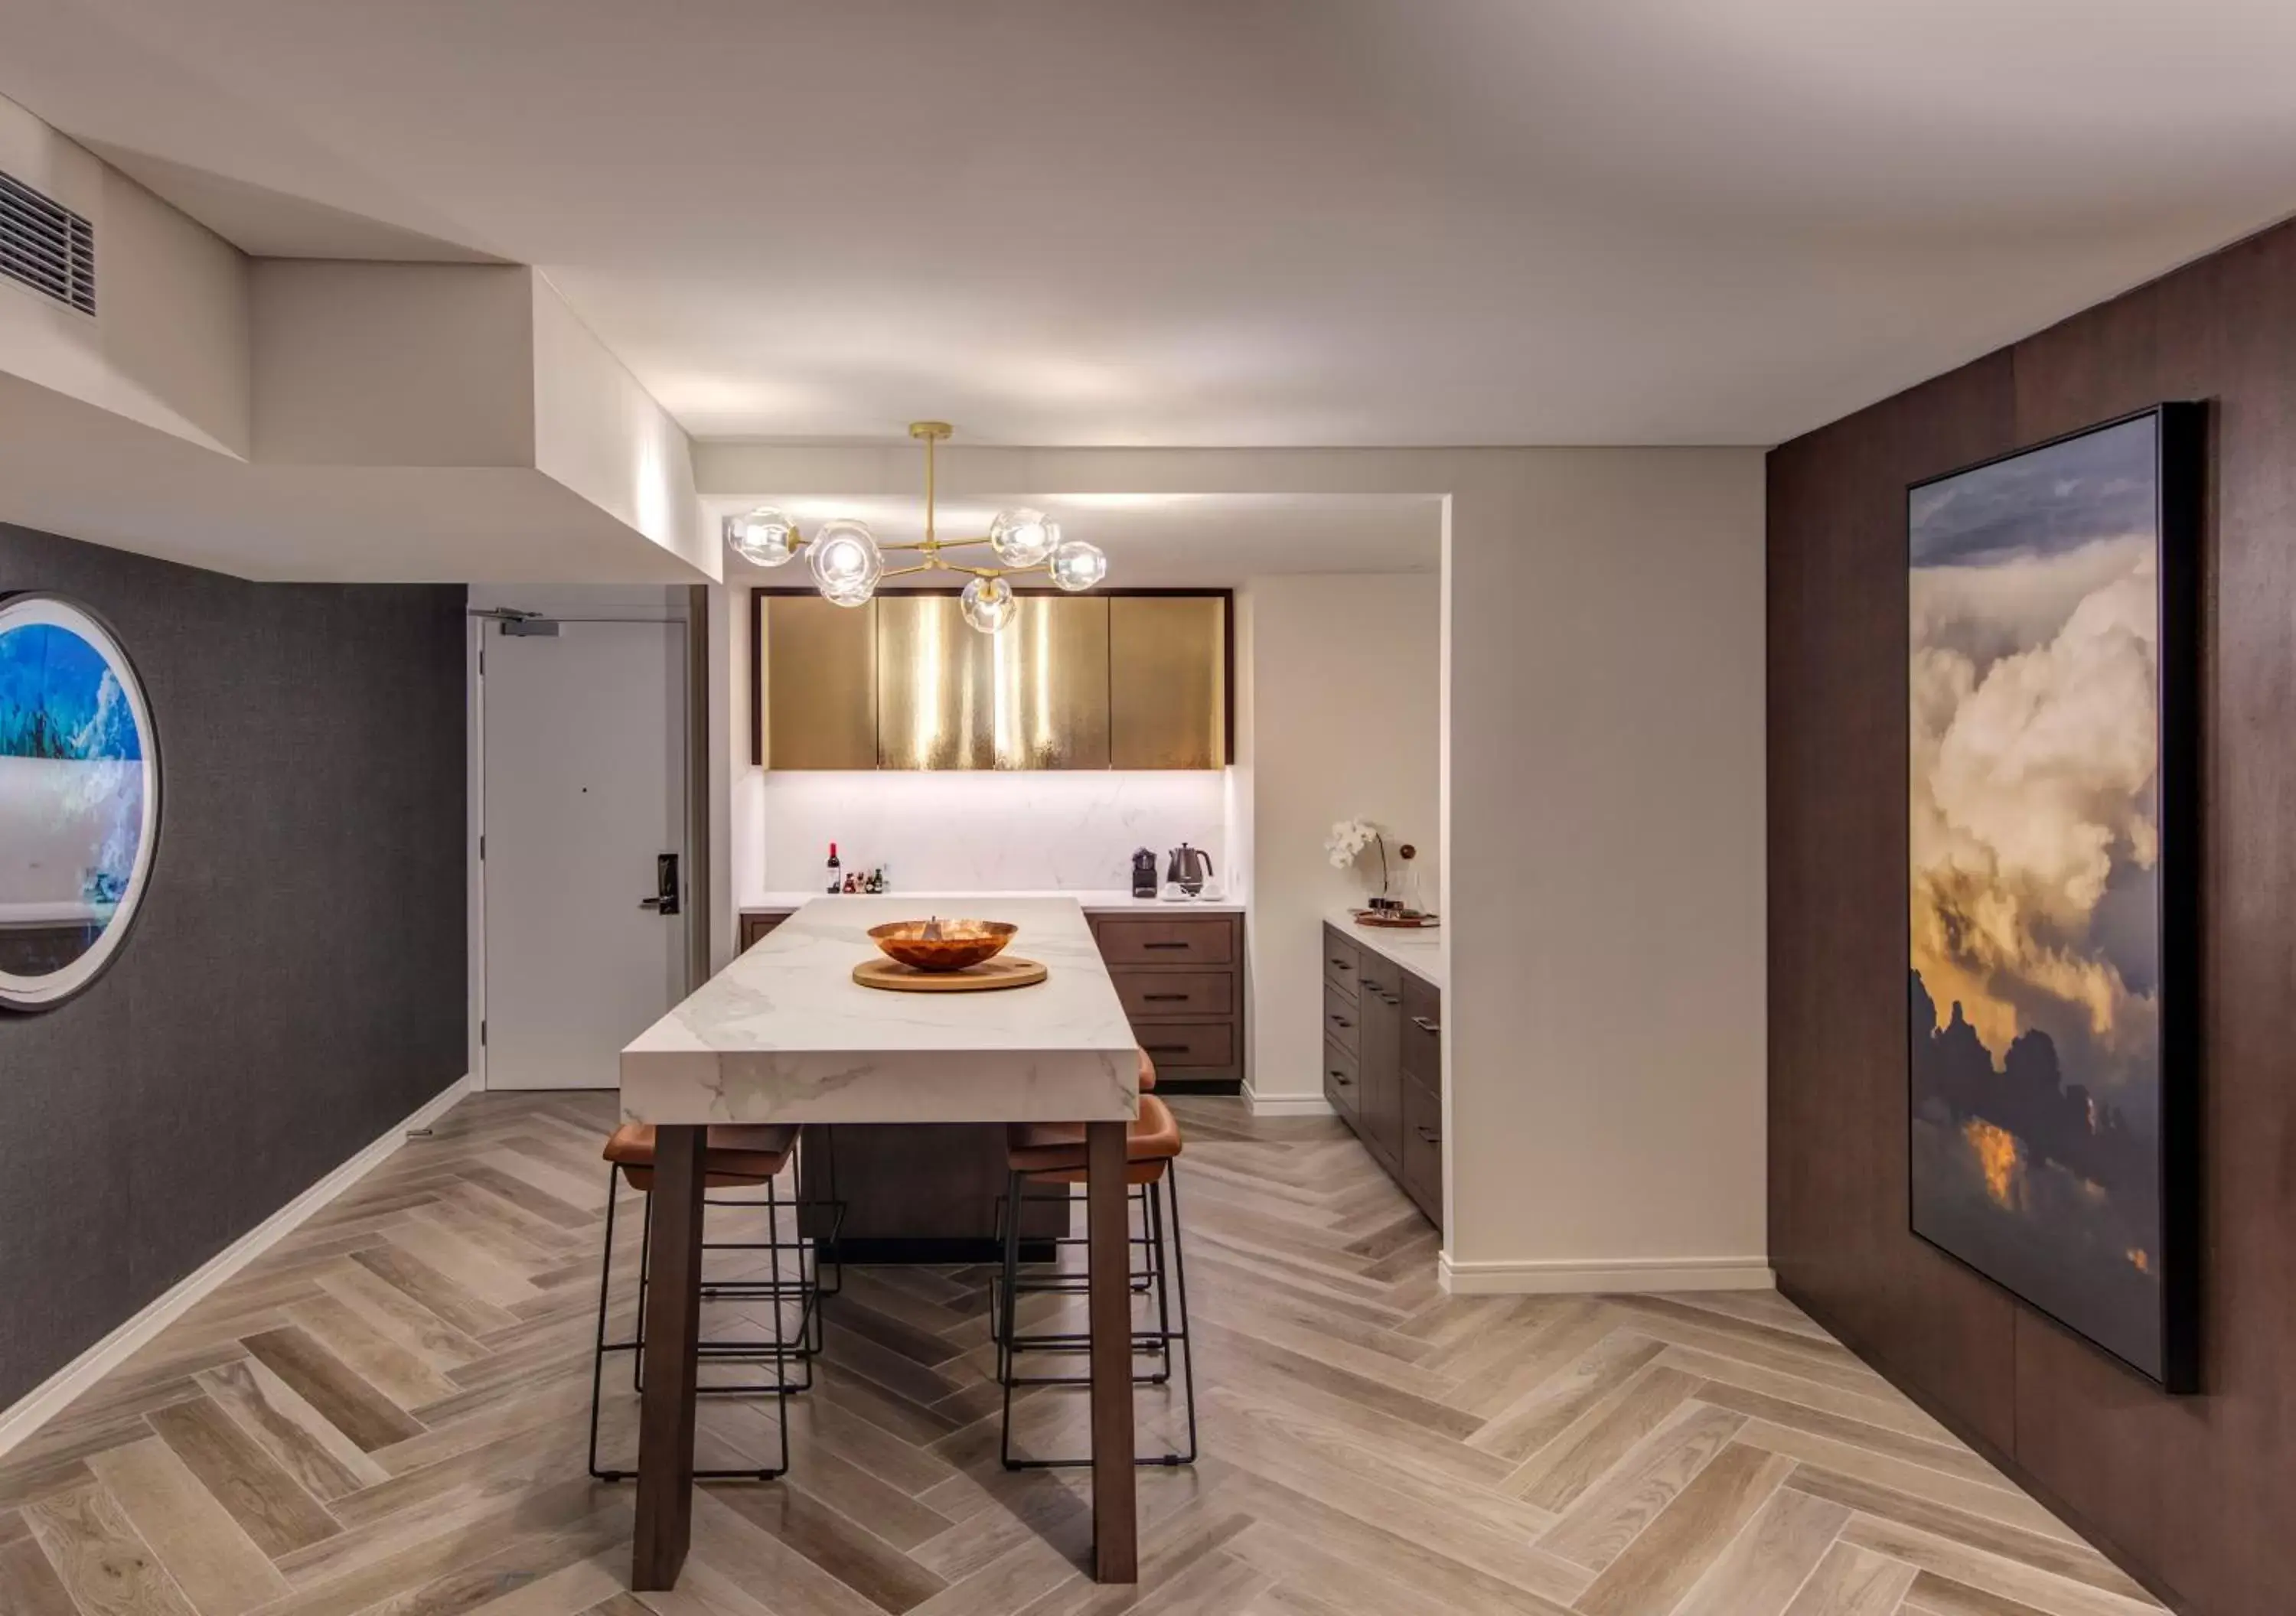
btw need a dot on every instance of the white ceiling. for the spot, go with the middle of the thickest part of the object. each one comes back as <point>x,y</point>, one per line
<point>1160,540</point>
<point>1223,221</point>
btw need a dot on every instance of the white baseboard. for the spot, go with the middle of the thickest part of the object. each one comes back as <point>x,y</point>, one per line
<point>50,1396</point>
<point>1626,1276</point>
<point>1286,1105</point>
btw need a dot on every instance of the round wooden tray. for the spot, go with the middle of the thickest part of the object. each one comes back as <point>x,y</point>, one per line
<point>1417,923</point>
<point>1004,971</point>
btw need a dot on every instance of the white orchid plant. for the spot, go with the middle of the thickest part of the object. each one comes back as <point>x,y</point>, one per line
<point>1347,842</point>
<point>1348,839</point>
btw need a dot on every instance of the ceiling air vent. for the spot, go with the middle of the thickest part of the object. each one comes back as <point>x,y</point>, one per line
<point>47,246</point>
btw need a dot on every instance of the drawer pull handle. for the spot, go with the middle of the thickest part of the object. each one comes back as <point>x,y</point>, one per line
<point>1165,1048</point>
<point>1172,942</point>
<point>1425,1025</point>
<point>1342,1078</point>
<point>1341,964</point>
<point>1428,1136</point>
<point>1165,998</point>
<point>1342,1020</point>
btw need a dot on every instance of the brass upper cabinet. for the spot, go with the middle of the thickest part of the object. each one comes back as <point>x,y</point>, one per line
<point>818,665</point>
<point>1167,682</point>
<point>1033,696</point>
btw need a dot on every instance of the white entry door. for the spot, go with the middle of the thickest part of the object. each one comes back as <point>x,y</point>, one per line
<point>584,735</point>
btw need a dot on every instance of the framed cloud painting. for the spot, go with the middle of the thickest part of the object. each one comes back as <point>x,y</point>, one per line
<point>2054,762</point>
<point>79,799</point>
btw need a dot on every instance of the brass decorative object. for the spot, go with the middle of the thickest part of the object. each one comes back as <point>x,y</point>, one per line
<point>936,944</point>
<point>847,560</point>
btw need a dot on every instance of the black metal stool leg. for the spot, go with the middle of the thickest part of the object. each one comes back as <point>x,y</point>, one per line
<point>598,1356</point>
<point>1180,1284</point>
<point>777,1348</point>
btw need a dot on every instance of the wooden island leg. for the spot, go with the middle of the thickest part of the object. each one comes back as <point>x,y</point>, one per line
<point>673,1324</point>
<point>1115,1521</point>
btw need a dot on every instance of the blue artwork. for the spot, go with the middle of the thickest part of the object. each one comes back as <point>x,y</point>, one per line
<point>78,798</point>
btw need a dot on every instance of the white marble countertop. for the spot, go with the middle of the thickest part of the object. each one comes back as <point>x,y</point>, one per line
<point>1109,900</point>
<point>784,1034</point>
<point>1418,952</point>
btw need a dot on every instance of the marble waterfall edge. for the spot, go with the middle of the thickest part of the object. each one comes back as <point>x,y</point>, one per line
<point>784,1034</point>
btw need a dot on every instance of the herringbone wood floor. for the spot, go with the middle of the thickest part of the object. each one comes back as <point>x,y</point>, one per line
<point>387,1413</point>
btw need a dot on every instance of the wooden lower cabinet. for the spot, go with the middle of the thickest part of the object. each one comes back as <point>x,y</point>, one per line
<point>1383,1064</point>
<point>756,922</point>
<point>1181,980</point>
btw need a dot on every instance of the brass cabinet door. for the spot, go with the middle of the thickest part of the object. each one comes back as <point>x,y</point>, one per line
<point>820,677</point>
<point>1035,696</point>
<point>1167,682</point>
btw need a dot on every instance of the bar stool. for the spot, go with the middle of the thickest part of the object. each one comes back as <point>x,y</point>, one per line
<point>735,1156</point>
<point>1039,1153</point>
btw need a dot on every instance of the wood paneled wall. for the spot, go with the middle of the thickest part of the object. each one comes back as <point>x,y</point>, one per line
<point>2195,1494</point>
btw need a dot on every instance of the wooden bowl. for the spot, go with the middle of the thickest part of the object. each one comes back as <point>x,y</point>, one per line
<point>960,942</point>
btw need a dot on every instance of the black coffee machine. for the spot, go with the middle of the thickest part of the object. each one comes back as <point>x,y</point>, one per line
<point>1144,874</point>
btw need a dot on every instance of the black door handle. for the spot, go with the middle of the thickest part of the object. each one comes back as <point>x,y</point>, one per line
<point>1342,1021</point>
<point>1428,1137</point>
<point>664,886</point>
<point>1165,998</point>
<point>1425,1025</point>
<point>1341,1078</point>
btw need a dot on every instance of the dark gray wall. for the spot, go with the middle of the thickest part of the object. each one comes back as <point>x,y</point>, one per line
<point>295,983</point>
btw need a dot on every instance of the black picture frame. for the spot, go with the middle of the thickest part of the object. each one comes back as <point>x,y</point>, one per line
<point>2180,467</point>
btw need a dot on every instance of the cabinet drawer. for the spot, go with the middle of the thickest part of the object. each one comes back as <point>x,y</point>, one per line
<point>1422,1031</point>
<point>1341,960</point>
<point>1148,995</point>
<point>1375,975</point>
<point>1342,1021</point>
<point>1423,1148</point>
<point>1340,1086</point>
<point>1175,1046</point>
<point>1209,940</point>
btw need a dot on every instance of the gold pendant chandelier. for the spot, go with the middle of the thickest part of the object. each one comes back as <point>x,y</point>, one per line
<point>847,561</point>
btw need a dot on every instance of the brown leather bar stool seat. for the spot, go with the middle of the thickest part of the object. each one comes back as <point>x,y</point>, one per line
<point>735,1154</point>
<point>1052,1153</point>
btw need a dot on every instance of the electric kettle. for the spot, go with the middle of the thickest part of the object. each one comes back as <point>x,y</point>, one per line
<point>1188,869</point>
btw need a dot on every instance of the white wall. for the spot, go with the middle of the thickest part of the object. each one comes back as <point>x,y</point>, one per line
<point>985,830</point>
<point>1345,674</point>
<point>1603,825</point>
<point>393,364</point>
<point>1605,1020</point>
<point>167,347</point>
<point>601,435</point>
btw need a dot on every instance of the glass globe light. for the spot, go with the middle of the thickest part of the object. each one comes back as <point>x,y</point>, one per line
<point>1022,537</point>
<point>1078,566</point>
<point>845,561</point>
<point>765,536</point>
<point>988,604</point>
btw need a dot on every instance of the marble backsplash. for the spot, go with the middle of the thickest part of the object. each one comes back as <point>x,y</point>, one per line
<point>986,831</point>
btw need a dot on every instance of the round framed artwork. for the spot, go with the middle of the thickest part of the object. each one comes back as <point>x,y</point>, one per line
<point>79,798</point>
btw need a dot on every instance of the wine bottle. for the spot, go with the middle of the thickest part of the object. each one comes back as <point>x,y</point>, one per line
<point>836,870</point>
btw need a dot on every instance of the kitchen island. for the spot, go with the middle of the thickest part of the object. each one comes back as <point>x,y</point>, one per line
<point>784,1034</point>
